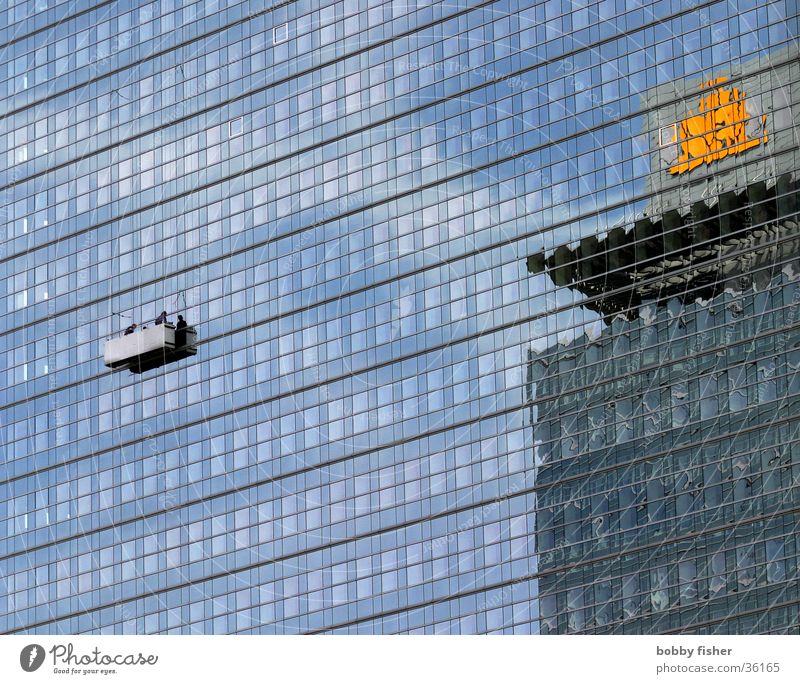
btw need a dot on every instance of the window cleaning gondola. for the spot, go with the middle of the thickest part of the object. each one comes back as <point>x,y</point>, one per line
<point>142,348</point>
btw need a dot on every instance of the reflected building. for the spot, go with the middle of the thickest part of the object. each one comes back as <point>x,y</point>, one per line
<point>666,431</point>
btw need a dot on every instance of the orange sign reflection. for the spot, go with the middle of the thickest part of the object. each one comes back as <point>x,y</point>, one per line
<point>717,130</point>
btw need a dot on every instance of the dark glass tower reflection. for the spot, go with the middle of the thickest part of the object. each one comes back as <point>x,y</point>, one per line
<point>495,312</point>
<point>666,434</point>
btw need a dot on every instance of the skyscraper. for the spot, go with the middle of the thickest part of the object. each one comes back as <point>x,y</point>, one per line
<point>495,312</point>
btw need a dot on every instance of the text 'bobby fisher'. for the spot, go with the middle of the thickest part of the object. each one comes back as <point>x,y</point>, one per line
<point>64,655</point>
<point>689,652</point>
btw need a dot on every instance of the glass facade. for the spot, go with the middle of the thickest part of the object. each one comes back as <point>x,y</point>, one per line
<point>496,306</point>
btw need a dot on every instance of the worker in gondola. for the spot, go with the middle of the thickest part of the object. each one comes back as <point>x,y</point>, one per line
<point>180,332</point>
<point>162,318</point>
<point>130,329</point>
